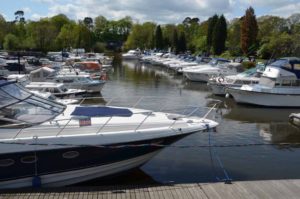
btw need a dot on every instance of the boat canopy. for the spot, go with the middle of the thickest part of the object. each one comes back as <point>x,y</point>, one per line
<point>92,111</point>
<point>291,64</point>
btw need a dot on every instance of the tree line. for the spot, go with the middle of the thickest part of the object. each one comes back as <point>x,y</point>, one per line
<point>265,37</point>
<point>59,32</point>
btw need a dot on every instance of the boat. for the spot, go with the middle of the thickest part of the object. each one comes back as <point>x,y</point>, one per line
<point>278,86</point>
<point>216,67</point>
<point>48,144</point>
<point>57,89</point>
<point>50,96</point>
<point>132,54</point>
<point>220,83</point>
<point>80,81</point>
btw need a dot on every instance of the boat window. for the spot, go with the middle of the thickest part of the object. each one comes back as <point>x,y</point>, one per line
<point>70,154</point>
<point>64,89</point>
<point>297,66</point>
<point>6,162</point>
<point>67,81</point>
<point>281,63</point>
<point>29,159</point>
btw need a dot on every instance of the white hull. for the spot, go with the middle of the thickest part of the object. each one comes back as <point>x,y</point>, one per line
<point>72,177</point>
<point>264,98</point>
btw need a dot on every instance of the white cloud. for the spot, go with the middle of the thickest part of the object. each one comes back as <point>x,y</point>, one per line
<point>161,11</point>
<point>165,11</point>
<point>287,10</point>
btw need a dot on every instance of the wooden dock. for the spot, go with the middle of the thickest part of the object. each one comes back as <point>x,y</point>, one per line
<point>244,189</point>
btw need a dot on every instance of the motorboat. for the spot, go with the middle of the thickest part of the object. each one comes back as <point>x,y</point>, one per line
<point>132,54</point>
<point>52,97</point>
<point>216,67</point>
<point>220,83</point>
<point>79,81</point>
<point>278,86</point>
<point>48,144</point>
<point>57,89</point>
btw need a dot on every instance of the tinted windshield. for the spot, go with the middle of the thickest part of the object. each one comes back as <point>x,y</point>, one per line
<point>19,106</point>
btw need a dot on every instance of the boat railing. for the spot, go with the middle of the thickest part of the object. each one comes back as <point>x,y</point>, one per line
<point>288,83</point>
<point>67,126</point>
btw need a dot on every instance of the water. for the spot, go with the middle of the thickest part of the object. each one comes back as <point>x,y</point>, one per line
<point>238,125</point>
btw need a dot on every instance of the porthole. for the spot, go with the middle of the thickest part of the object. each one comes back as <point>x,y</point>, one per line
<point>29,159</point>
<point>6,162</point>
<point>70,154</point>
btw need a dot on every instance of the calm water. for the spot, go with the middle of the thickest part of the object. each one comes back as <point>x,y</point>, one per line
<point>238,125</point>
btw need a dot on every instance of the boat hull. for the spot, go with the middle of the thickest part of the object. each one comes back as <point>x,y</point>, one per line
<point>55,168</point>
<point>264,98</point>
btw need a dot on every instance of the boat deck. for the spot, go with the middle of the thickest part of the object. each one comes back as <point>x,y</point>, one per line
<point>236,190</point>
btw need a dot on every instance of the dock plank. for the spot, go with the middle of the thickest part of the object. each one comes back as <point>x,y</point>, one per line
<point>243,189</point>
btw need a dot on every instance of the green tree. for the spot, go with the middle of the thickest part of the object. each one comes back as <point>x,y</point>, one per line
<point>211,26</point>
<point>141,36</point>
<point>11,42</point>
<point>233,39</point>
<point>67,37</point>
<point>219,36</point>
<point>249,31</point>
<point>175,43</point>
<point>159,42</point>
<point>182,42</point>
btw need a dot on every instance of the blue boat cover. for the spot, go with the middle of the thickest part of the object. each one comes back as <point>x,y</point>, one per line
<point>90,111</point>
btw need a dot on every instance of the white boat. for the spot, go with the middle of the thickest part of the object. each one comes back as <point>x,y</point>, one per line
<point>80,81</point>
<point>50,96</point>
<point>278,86</point>
<point>216,67</point>
<point>57,89</point>
<point>219,84</point>
<point>132,54</point>
<point>44,143</point>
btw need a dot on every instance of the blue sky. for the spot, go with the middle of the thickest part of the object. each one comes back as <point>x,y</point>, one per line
<point>160,11</point>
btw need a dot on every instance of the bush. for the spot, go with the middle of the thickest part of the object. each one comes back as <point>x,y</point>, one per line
<point>99,47</point>
<point>248,64</point>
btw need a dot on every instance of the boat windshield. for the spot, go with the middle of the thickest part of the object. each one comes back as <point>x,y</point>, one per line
<point>248,73</point>
<point>20,107</point>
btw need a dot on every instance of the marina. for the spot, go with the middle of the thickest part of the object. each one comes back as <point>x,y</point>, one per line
<point>159,104</point>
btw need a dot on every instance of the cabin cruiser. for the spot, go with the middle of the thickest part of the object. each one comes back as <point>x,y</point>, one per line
<point>278,86</point>
<point>50,96</point>
<point>80,81</point>
<point>132,54</point>
<point>57,89</point>
<point>219,84</point>
<point>82,142</point>
<point>215,67</point>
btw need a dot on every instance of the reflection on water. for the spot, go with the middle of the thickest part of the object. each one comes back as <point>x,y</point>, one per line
<point>279,132</point>
<point>238,125</point>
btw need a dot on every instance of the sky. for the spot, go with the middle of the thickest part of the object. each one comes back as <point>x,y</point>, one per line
<point>159,11</point>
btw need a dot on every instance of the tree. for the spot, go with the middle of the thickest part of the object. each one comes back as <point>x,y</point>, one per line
<point>175,45</point>
<point>182,42</point>
<point>67,37</point>
<point>11,42</point>
<point>19,16</point>
<point>219,36</point>
<point>211,26</point>
<point>249,31</point>
<point>233,38</point>
<point>88,21</point>
<point>142,36</point>
<point>159,38</point>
